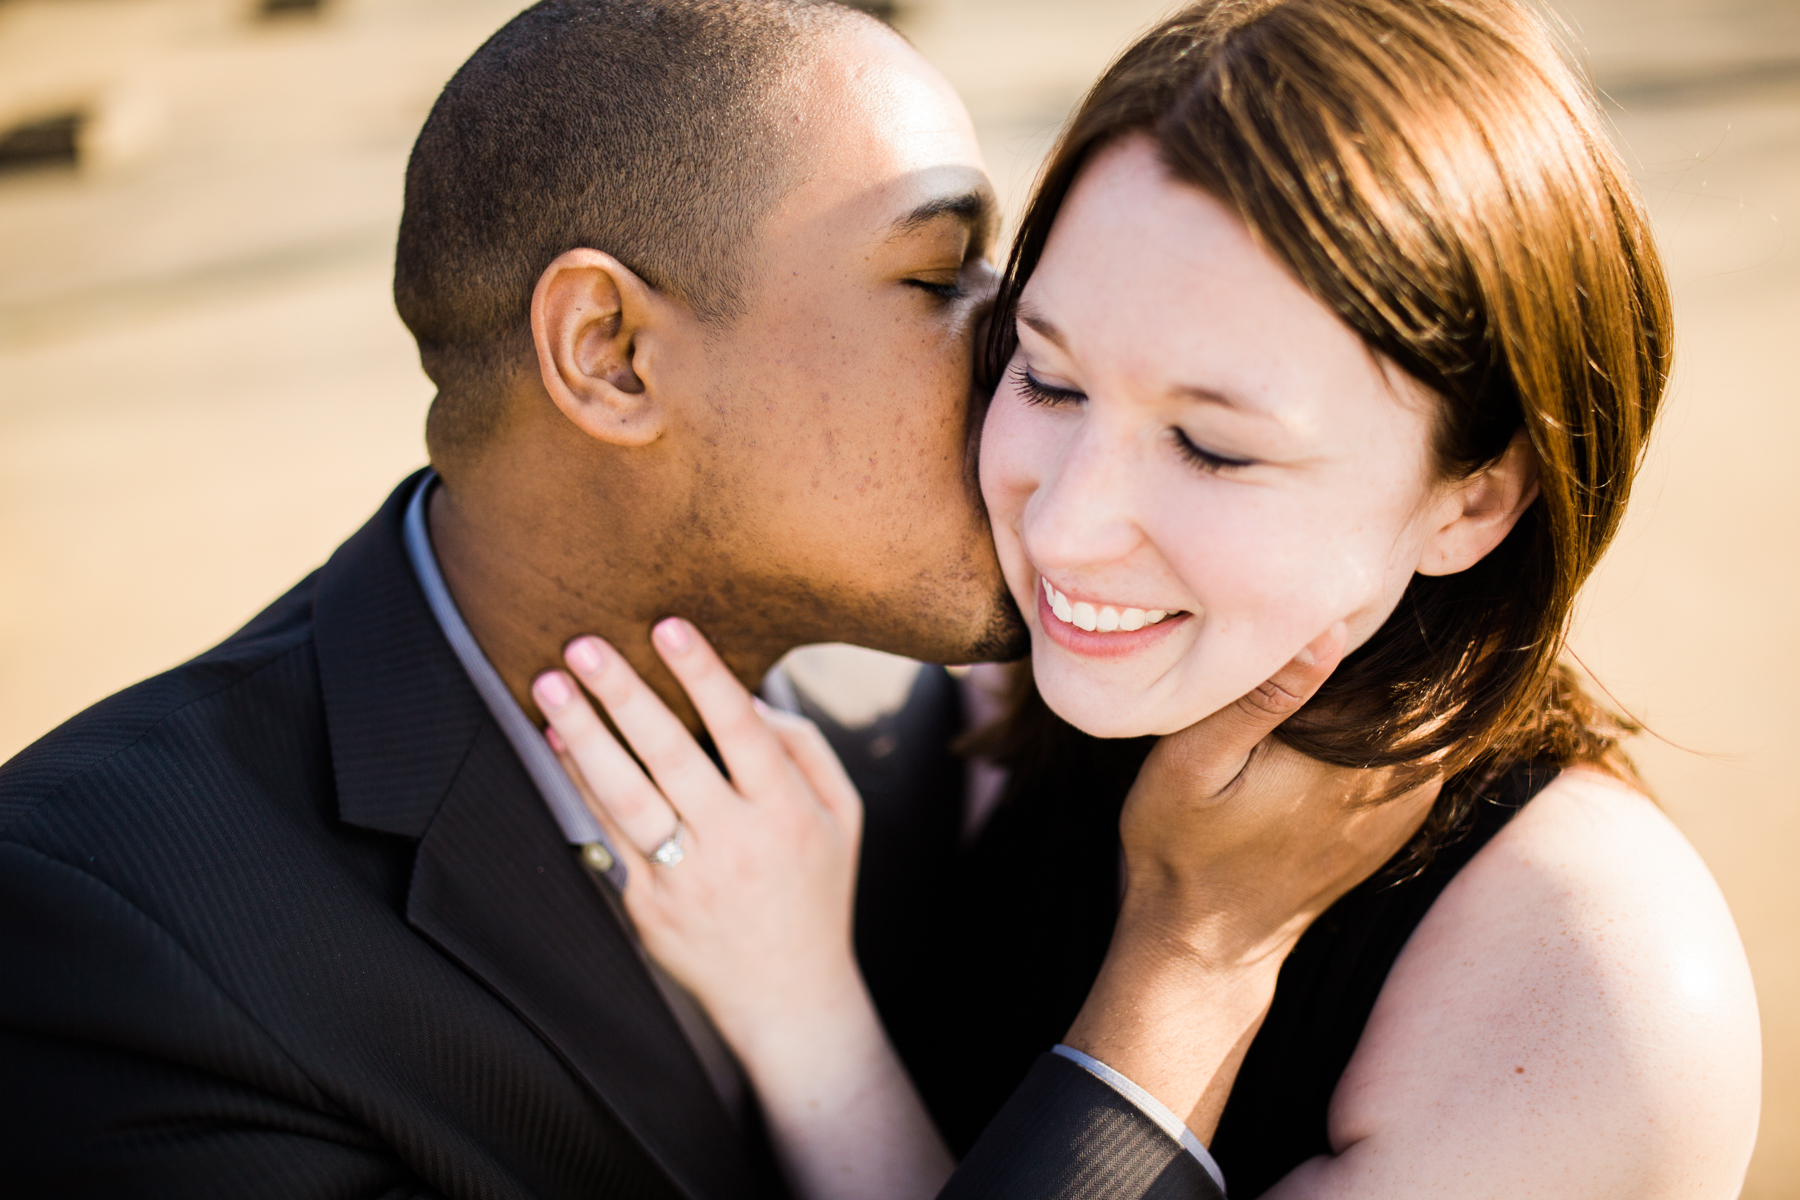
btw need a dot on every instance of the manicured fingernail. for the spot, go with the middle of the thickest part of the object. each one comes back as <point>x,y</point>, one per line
<point>1309,653</point>
<point>584,655</point>
<point>556,742</point>
<point>674,635</point>
<point>552,690</point>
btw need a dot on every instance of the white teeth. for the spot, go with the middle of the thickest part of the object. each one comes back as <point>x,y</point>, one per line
<point>1102,619</point>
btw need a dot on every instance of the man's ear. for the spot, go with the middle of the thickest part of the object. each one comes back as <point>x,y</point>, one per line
<point>1478,512</point>
<point>591,320</point>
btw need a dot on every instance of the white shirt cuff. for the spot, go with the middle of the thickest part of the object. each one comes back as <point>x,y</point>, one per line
<point>1149,1105</point>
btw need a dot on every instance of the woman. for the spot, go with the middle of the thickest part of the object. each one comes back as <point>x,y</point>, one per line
<point>1329,315</point>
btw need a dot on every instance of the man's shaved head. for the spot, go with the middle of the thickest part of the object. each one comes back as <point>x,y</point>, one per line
<point>699,281</point>
<point>648,129</point>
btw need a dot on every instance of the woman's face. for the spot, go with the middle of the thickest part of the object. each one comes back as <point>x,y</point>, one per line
<point>1186,431</point>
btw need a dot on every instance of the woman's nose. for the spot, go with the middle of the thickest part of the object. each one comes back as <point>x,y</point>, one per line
<point>1084,514</point>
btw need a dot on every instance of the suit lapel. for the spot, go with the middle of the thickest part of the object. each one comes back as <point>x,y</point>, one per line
<point>494,884</point>
<point>497,888</point>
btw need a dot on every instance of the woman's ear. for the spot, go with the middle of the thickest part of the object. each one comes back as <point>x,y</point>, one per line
<point>590,315</point>
<point>1478,512</point>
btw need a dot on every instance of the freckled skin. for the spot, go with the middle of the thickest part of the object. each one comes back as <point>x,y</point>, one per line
<point>810,475</point>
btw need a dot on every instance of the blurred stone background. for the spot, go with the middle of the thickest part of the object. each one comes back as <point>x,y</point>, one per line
<point>203,385</point>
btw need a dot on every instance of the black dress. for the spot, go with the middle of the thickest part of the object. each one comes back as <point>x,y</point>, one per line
<point>1275,1118</point>
<point>988,950</point>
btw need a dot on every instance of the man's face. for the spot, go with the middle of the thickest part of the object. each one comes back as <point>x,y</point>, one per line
<point>833,423</point>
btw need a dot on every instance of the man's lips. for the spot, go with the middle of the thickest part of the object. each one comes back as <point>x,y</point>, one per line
<point>1095,644</point>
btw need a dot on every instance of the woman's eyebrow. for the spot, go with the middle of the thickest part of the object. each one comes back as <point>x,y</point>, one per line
<point>1042,327</point>
<point>1208,396</point>
<point>1047,330</point>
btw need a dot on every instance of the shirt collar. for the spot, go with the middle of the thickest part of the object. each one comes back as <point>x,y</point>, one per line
<point>553,784</point>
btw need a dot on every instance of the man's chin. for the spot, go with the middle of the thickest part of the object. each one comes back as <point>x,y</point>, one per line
<point>1005,639</point>
<point>999,634</point>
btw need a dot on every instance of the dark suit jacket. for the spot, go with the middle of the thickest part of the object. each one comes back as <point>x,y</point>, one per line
<point>290,920</point>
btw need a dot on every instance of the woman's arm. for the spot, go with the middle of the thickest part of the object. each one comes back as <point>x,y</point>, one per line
<point>1573,1018</point>
<point>1221,882</point>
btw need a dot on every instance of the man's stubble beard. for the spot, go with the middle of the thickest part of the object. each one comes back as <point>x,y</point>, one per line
<point>1006,637</point>
<point>754,617</point>
<point>754,623</point>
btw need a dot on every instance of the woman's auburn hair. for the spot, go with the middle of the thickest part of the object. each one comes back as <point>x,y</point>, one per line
<point>1434,173</point>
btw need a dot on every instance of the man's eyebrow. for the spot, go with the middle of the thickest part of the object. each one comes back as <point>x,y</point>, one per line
<point>975,207</point>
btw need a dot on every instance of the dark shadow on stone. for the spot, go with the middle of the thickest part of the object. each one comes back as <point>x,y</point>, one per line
<point>46,143</point>
<point>277,9</point>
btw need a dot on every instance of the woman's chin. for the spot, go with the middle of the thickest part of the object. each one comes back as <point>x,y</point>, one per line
<point>1088,712</point>
<point>1117,708</point>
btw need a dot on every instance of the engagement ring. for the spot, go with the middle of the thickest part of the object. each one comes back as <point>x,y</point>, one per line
<point>670,852</point>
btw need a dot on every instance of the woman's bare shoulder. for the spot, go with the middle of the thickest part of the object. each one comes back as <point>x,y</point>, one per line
<point>1574,1016</point>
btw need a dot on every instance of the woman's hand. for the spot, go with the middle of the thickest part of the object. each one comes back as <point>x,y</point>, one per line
<point>1234,844</point>
<point>1241,841</point>
<point>754,917</point>
<point>742,889</point>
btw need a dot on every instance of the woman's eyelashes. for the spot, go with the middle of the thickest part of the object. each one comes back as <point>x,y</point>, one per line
<point>1203,458</point>
<point>1036,391</point>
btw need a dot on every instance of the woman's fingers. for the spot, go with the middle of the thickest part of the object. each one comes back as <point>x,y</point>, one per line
<point>604,771</point>
<point>661,742</point>
<point>758,762</point>
<point>622,842</point>
<point>818,762</point>
<point>1213,752</point>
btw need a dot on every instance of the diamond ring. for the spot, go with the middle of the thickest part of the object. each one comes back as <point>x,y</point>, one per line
<point>670,852</point>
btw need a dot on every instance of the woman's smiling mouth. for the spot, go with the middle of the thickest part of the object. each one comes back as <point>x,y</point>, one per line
<point>1098,629</point>
<point>1102,618</point>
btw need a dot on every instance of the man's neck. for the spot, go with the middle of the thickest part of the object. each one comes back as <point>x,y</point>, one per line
<point>524,600</point>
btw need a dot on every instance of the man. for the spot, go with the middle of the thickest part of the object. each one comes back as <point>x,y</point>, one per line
<point>696,280</point>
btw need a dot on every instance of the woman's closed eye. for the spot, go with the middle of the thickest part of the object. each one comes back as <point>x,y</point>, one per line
<point>1206,460</point>
<point>1036,391</point>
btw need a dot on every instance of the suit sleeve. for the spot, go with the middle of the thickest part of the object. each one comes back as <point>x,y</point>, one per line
<point>1068,1135</point>
<point>125,1072</point>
